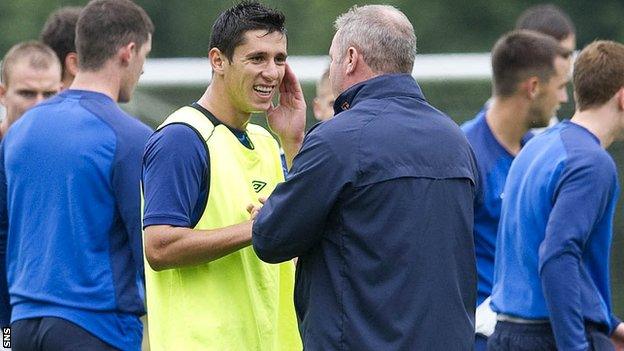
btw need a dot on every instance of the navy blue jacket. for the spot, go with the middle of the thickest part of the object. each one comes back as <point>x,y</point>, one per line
<point>378,206</point>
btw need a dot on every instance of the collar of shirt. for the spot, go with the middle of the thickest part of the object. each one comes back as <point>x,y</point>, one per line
<point>386,85</point>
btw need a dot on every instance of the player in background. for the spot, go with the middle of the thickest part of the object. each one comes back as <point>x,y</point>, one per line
<point>550,20</point>
<point>59,33</point>
<point>526,92</point>
<point>551,283</point>
<point>69,194</point>
<point>30,73</point>
<point>323,105</point>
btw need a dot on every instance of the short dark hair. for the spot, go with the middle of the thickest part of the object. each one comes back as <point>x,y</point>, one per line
<point>598,74</point>
<point>38,55</point>
<point>59,31</point>
<point>521,54</point>
<point>229,28</point>
<point>547,19</point>
<point>106,25</point>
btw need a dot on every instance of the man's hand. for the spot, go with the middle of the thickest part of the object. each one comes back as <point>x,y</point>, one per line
<point>255,209</point>
<point>287,119</point>
<point>618,337</point>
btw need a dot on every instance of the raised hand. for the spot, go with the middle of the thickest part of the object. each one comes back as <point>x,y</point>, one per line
<point>288,118</point>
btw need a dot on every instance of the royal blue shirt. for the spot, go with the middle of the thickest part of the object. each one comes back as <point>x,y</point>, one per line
<point>493,162</point>
<point>70,188</point>
<point>378,207</point>
<point>552,252</point>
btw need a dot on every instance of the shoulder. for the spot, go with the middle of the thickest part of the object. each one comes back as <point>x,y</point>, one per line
<point>178,140</point>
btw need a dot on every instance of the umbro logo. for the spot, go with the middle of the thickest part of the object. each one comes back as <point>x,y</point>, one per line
<point>258,185</point>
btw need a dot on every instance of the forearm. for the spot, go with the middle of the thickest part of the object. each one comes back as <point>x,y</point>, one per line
<point>169,247</point>
<point>563,298</point>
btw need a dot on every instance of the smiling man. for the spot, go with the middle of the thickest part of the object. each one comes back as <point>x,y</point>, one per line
<point>206,288</point>
<point>30,73</point>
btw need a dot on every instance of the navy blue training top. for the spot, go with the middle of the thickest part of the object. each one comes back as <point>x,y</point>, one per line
<point>493,162</point>
<point>70,178</point>
<point>378,206</point>
<point>552,256</point>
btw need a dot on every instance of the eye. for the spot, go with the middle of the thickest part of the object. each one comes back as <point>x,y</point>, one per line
<point>280,60</point>
<point>27,94</point>
<point>48,94</point>
<point>256,59</point>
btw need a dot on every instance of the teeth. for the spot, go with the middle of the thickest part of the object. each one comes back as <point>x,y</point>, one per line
<point>263,89</point>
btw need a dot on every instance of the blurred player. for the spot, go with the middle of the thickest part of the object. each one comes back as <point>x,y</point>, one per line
<point>527,91</point>
<point>550,20</point>
<point>69,189</point>
<point>323,107</point>
<point>59,32</point>
<point>551,282</point>
<point>30,73</point>
<point>207,289</point>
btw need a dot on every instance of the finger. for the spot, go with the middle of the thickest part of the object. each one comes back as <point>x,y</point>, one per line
<point>262,199</point>
<point>290,82</point>
<point>250,208</point>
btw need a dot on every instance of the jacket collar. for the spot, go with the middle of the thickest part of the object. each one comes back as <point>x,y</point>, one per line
<point>387,85</point>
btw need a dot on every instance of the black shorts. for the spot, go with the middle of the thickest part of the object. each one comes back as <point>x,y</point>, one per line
<point>539,337</point>
<point>51,333</point>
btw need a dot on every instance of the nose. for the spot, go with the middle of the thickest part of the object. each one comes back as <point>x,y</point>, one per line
<point>271,71</point>
<point>40,97</point>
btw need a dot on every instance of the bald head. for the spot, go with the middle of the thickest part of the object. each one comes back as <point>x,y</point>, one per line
<point>382,33</point>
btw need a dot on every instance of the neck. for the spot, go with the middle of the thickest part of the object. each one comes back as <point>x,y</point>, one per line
<point>604,122</point>
<point>216,100</point>
<point>507,119</point>
<point>106,81</point>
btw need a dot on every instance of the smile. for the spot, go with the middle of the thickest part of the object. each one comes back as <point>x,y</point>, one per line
<point>264,89</point>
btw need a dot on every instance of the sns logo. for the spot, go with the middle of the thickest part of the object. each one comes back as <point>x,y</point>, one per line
<point>258,185</point>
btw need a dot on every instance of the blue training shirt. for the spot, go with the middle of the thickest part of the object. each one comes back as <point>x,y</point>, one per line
<point>493,162</point>
<point>70,179</point>
<point>378,207</point>
<point>552,252</point>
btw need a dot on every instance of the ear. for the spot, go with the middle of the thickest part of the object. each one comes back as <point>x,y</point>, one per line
<point>71,63</point>
<point>619,96</point>
<point>3,90</point>
<point>217,60</point>
<point>126,53</point>
<point>530,87</point>
<point>352,57</point>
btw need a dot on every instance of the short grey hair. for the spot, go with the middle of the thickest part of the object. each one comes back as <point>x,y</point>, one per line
<point>382,34</point>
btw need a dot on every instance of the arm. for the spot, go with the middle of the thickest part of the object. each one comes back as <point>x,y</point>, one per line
<point>287,120</point>
<point>172,247</point>
<point>5,305</point>
<point>294,216</point>
<point>175,176</point>
<point>126,180</point>
<point>585,192</point>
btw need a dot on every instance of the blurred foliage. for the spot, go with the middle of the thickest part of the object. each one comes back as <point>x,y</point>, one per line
<point>183,27</point>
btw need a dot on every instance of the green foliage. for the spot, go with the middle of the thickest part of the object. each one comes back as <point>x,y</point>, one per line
<point>183,27</point>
